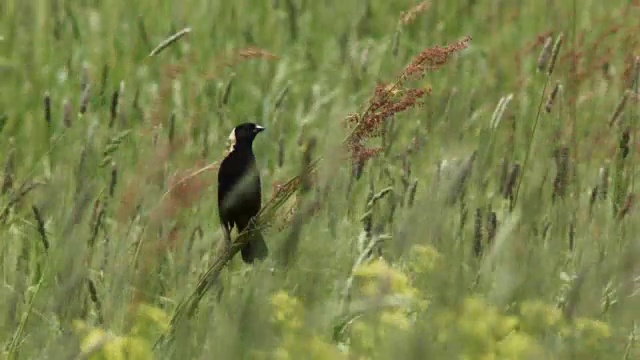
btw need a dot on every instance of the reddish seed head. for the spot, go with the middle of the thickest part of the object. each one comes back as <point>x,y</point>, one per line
<point>391,99</point>
<point>433,58</point>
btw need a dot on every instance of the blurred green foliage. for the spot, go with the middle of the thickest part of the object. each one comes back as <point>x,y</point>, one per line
<point>424,255</point>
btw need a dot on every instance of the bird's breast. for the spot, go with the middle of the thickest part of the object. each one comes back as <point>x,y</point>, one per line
<point>238,175</point>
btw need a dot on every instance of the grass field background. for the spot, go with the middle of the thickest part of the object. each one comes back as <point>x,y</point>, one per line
<point>486,227</point>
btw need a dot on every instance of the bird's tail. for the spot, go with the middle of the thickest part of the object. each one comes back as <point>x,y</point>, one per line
<point>255,248</point>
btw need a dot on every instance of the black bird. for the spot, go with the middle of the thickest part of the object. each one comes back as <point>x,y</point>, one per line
<point>239,193</point>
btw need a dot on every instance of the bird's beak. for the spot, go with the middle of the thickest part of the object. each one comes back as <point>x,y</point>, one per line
<point>258,129</point>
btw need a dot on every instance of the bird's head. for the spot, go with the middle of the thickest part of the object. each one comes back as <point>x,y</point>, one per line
<point>244,134</point>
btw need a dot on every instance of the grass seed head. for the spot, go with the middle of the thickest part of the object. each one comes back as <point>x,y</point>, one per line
<point>433,58</point>
<point>552,97</point>
<point>554,54</point>
<point>409,16</point>
<point>545,54</point>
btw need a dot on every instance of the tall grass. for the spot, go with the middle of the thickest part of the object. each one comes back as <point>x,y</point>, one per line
<point>418,200</point>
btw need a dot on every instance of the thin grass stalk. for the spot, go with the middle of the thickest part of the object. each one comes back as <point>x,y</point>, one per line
<point>551,67</point>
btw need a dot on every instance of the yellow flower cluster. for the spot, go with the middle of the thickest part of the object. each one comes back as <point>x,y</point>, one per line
<point>481,332</point>
<point>423,260</point>
<point>540,319</point>
<point>387,306</point>
<point>297,342</point>
<point>378,278</point>
<point>287,311</point>
<point>100,344</point>
<point>544,320</point>
<point>387,300</point>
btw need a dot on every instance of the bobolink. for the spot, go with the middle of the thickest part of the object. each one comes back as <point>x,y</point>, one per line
<point>239,193</point>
